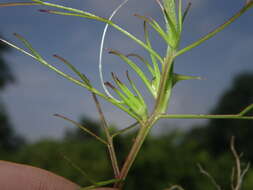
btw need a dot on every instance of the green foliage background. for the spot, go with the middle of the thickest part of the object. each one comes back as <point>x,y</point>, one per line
<point>165,160</point>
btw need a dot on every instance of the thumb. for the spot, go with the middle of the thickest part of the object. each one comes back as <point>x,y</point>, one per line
<point>23,177</point>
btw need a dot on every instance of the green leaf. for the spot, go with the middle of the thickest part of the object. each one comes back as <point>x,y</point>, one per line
<point>138,71</point>
<point>186,11</point>
<point>100,184</point>
<point>170,9</point>
<point>68,77</point>
<point>132,107</point>
<point>151,70</point>
<point>217,30</point>
<point>80,13</point>
<point>85,129</point>
<point>157,74</point>
<point>157,28</point>
<point>140,97</point>
<point>72,67</point>
<point>179,77</point>
<point>29,46</point>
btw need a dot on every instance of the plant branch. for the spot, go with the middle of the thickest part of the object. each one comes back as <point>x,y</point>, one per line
<point>100,184</point>
<point>83,128</point>
<point>110,145</point>
<point>125,129</point>
<point>141,136</point>
<point>80,13</point>
<point>203,116</point>
<point>218,29</point>
<point>204,172</point>
<point>238,174</point>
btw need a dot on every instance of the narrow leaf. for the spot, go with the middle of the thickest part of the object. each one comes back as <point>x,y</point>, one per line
<point>17,4</point>
<point>125,129</point>
<point>157,75</point>
<point>138,71</point>
<point>180,15</point>
<point>72,67</point>
<point>246,110</point>
<point>151,70</point>
<point>136,90</point>
<point>156,27</point>
<point>186,11</point>
<point>68,77</point>
<point>85,14</point>
<point>100,184</point>
<point>28,45</point>
<point>218,29</point>
<point>82,127</point>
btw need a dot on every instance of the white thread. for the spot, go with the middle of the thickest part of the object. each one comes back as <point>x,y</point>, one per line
<point>101,51</point>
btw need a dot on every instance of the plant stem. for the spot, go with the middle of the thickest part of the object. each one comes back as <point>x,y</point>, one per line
<point>202,116</point>
<point>161,103</point>
<point>110,145</point>
<point>142,134</point>
<point>160,107</point>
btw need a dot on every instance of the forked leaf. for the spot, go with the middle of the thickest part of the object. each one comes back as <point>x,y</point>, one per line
<point>138,71</point>
<point>72,67</point>
<point>156,27</point>
<point>122,86</point>
<point>140,97</point>
<point>128,99</point>
<point>217,30</point>
<point>157,74</point>
<point>85,129</point>
<point>186,11</point>
<point>29,46</point>
<point>80,13</point>
<point>70,78</point>
<point>151,70</point>
<point>122,96</point>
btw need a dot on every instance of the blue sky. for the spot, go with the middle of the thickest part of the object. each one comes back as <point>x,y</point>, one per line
<point>39,92</point>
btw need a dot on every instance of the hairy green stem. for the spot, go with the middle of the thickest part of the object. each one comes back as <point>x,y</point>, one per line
<point>160,107</point>
<point>161,103</point>
<point>141,136</point>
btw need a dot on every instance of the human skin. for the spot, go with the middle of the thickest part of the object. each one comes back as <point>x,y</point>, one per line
<point>15,176</point>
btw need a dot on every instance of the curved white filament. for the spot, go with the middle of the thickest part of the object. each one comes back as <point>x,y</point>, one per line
<point>101,51</point>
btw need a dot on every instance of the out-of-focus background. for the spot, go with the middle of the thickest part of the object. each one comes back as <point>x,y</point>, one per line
<point>31,94</point>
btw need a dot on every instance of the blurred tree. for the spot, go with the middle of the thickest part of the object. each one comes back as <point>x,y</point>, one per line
<point>5,73</point>
<point>9,141</point>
